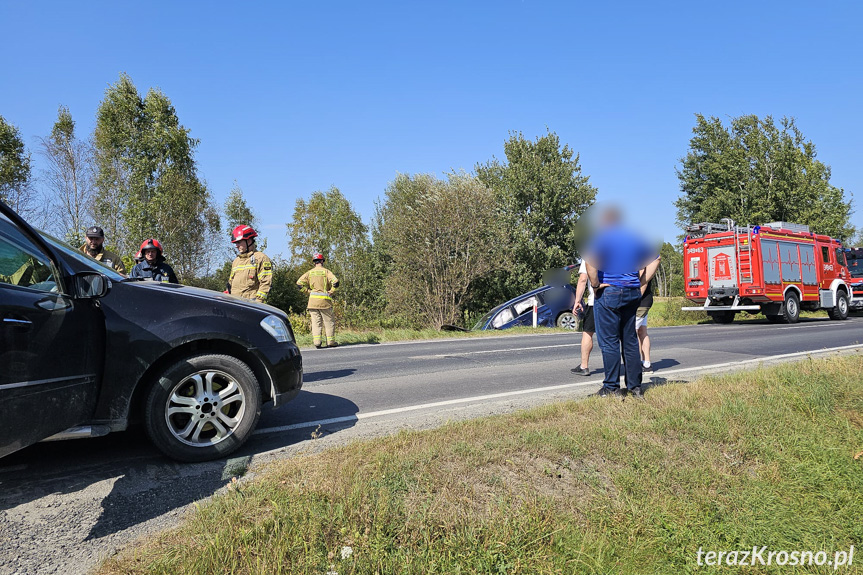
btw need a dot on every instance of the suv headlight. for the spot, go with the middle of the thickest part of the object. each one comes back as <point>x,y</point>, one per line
<point>274,326</point>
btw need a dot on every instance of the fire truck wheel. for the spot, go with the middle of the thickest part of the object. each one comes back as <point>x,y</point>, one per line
<point>722,316</point>
<point>839,312</point>
<point>791,309</point>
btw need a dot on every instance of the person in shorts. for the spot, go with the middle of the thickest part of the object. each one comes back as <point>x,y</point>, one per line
<point>641,324</point>
<point>585,311</point>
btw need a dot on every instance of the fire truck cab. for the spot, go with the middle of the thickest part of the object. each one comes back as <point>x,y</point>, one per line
<point>776,269</point>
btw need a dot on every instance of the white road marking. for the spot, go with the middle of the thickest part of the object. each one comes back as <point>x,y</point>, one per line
<point>664,372</point>
<point>459,353</point>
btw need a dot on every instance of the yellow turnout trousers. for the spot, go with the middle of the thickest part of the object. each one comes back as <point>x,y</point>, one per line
<point>322,320</point>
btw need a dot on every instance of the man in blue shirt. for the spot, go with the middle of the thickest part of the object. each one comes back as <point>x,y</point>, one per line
<point>614,259</point>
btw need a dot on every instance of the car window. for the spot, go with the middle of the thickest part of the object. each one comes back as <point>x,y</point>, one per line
<point>22,263</point>
<point>505,316</point>
<point>95,265</point>
<point>524,305</point>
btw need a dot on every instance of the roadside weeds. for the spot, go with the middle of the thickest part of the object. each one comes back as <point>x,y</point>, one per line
<point>764,457</point>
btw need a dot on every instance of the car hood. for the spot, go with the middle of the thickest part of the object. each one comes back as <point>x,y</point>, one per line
<point>183,291</point>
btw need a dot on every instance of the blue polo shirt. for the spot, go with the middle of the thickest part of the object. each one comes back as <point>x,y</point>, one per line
<point>618,254</point>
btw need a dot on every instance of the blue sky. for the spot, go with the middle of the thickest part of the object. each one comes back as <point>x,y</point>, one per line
<point>288,97</point>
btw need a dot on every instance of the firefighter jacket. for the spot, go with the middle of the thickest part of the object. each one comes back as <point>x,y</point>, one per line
<point>158,271</point>
<point>251,276</point>
<point>108,258</point>
<point>321,283</point>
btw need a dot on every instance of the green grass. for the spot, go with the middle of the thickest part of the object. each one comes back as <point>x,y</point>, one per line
<point>348,337</point>
<point>596,486</point>
<point>665,312</point>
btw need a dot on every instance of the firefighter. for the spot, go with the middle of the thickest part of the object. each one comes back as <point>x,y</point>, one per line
<point>252,271</point>
<point>320,283</point>
<point>93,247</point>
<point>153,266</point>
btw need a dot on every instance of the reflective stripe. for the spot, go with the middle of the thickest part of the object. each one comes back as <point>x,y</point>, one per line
<point>245,267</point>
<point>264,274</point>
<point>320,295</point>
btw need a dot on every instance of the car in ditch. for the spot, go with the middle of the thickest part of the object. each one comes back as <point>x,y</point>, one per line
<point>85,351</point>
<point>553,309</point>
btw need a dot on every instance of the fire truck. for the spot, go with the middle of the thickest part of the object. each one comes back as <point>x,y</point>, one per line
<point>854,257</point>
<point>777,269</point>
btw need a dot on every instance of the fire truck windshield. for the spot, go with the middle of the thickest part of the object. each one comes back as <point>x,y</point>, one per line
<point>854,256</point>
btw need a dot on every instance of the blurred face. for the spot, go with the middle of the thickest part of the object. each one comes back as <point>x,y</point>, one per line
<point>150,254</point>
<point>95,243</point>
<point>242,246</point>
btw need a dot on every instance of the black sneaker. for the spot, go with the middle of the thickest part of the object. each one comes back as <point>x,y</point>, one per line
<point>580,370</point>
<point>609,393</point>
<point>635,392</point>
<point>646,368</point>
<point>318,346</point>
<point>334,344</point>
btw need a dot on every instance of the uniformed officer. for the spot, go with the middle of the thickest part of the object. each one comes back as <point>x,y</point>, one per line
<point>93,248</point>
<point>252,271</point>
<point>153,266</point>
<point>320,283</point>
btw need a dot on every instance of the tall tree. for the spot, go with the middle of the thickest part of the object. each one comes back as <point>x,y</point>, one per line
<point>147,179</point>
<point>755,172</point>
<point>669,276</point>
<point>15,187</point>
<point>441,236</point>
<point>541,193</point>
<point>238,212</point>
<point>69,180</point>
<point>327,223</point>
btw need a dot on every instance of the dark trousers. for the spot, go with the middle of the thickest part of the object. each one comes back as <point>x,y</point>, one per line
<point>614,313</point>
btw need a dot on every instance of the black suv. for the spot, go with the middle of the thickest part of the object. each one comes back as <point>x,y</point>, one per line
<point>85,351</point>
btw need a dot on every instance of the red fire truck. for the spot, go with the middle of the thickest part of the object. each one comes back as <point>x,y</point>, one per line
<point>776,269</point>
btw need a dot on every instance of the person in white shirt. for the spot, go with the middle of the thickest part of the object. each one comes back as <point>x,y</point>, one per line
<point>585,310</point>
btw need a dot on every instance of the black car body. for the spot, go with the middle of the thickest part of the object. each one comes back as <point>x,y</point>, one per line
<point>84,347</point>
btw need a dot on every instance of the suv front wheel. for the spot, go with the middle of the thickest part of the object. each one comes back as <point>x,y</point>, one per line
<point>203,407</point>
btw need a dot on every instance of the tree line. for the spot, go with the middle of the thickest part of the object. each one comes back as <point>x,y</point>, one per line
<point>438,250</point>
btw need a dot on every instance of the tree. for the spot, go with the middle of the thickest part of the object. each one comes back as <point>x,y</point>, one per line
<point>15,187</point>
<point>441,236</point>
<point>147,180</point>
<point>756,172</point>
<point>327,223</point>
<point>669,275</point>
<point>541,193</point>
<point>69,180</point>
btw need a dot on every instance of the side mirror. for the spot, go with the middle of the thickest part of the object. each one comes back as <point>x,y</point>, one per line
<point>91,285</point>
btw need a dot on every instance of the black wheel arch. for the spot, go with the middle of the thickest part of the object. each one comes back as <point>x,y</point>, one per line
<point>218,346</point>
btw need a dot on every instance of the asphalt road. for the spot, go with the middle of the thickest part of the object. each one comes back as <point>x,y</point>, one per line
<point>65,505</point>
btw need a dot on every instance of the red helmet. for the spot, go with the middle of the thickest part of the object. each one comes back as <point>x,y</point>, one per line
<point>318,257</point>
<point>151,244</point>
<point>243,233</point>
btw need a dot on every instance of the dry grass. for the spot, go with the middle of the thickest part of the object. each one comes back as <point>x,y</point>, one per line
<point>597,486</point>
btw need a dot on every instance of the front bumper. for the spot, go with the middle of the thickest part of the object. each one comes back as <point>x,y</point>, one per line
<point>284,366</point>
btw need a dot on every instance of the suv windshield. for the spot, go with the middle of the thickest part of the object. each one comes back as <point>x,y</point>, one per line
<point>95,265</point>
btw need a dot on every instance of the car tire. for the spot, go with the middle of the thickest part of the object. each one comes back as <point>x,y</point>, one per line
<point>203,407</point>
<point>722,316</point>
<point>840,310</point>
<point>567,320</point>
<point>791,309</point>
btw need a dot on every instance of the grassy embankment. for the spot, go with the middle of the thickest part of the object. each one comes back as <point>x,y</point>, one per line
<point>665,312</point>
<point>765,458</point>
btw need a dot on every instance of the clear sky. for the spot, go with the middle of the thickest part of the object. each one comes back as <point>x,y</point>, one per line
<point>292,97</point>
